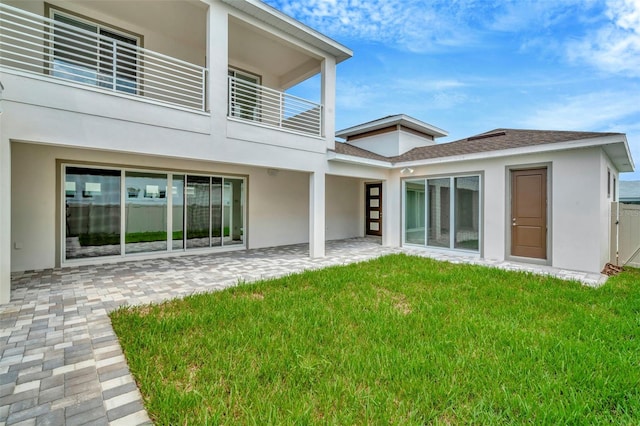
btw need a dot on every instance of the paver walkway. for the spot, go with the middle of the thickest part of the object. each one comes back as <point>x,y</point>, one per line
<point>60,359</point>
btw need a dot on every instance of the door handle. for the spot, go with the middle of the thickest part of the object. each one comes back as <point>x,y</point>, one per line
<point>513,222</point>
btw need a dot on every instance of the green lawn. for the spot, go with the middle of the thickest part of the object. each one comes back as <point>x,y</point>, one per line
<point>400,340</point>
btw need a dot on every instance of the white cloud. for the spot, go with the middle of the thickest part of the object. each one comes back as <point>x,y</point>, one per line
<point>414,25</point>
<point>614,47</point>
<point>427,84</point>
<point>448,100</point>
<point>355,95</point>
<point>592,111</point>
<point>537,14</point>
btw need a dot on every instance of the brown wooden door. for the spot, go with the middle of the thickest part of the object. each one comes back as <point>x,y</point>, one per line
<point>529,213</point>
<point>373,202</point>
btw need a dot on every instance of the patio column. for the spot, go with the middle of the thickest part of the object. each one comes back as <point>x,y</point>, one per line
<point>391,210</point>
<point>218,64</point>
<point>328,99</point>
<point>316,214</point>
<point>5,214</point>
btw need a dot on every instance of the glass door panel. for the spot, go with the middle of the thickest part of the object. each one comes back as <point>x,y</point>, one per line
<point>92,207</point>
<point>145,212</point>
<point>439,212</point>
<point>244,95</point>
<point>467,212</point>
<point>198,211</point>
<point>233,211</point>
<point>415,212</point>
<point>216,212</point>
<point>177,199</point>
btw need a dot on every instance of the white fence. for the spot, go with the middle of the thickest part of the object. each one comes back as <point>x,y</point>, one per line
<point>36,44</point>
<point>252,102</point>
<point>625,234</point>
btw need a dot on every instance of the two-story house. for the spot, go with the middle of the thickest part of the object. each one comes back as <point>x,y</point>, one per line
<point>138,129</point>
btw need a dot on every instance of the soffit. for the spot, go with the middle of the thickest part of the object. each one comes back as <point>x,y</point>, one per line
<point>288,25</point>
<point>184,20</point>
<point>269,54</point>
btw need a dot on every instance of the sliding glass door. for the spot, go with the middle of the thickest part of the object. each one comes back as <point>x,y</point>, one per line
<point>449,209</point>
<point>233,211</point>
<point>145,212</point>
<point>439,209</point>
<point>198,211</point>
<point>116,212</point>
<point>466,213</point>
<point>177,212</point>
<point>415,212</point>
<point>92,212</point>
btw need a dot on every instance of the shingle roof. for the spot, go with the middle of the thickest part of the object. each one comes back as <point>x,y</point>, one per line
<point>348,149</point>
<point>494,140</point>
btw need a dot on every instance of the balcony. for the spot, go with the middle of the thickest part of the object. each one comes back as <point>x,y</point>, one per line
<point>254,103</point>
<point>80,52</point>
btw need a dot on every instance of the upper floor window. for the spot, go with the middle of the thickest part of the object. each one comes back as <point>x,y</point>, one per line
<point>244,95</point>
<point>92,53</point>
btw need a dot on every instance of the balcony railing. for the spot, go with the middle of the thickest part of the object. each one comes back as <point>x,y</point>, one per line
<point>35,44</point>
<point>255,103</point>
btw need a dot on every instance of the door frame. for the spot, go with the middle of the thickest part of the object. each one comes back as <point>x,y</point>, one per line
<point>366,207</point>
<point>507,222</point>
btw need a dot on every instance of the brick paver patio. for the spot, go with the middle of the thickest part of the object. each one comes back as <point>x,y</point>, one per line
<point>60,359</point>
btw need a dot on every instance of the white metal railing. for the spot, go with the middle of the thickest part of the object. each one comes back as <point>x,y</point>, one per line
<point>36,44</point>
<point>252,102</point>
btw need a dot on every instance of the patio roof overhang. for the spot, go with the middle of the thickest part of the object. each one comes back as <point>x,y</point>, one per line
<point>616,147</point>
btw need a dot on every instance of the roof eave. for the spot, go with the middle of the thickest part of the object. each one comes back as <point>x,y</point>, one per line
<point>274,17</point>
<point>550,147</point>
<point>403,119</point>
<point>353,159</point>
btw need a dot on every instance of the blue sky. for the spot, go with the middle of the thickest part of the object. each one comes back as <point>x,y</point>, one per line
<point>468,66</point>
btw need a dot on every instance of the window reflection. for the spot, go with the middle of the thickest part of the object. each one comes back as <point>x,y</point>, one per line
<point>146,212</point>
<point>92,212</point>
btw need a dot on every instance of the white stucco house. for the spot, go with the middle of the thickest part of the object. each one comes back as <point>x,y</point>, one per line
<point>130,131</point>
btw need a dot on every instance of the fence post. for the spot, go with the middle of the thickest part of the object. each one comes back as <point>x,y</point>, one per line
<point>613,247</point>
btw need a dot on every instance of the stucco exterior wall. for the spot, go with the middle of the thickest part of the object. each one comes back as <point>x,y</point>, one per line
<point>606,198</point>
<point>576,210</point>
<point>277,201</point>
<point>575,224</point>
<point>5,209</point>
<point>344,207</point>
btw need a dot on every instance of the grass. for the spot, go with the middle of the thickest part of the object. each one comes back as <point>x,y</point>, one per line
<point>105,238</point>
<point>401,340</point>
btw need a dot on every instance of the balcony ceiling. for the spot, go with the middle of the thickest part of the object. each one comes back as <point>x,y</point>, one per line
<point>183,20</point>
<point>273,56</point>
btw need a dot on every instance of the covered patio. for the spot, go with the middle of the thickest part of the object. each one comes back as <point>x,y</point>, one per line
<point>61,362</point>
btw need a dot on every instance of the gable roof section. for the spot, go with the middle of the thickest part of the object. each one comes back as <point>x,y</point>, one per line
<point>494,141</point>
<point>393,120</point>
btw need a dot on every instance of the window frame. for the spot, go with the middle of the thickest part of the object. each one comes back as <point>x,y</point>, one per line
<point>452,211</point>
<point>52,10</point>
<point>255,115</point>
<point>170,249</point>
